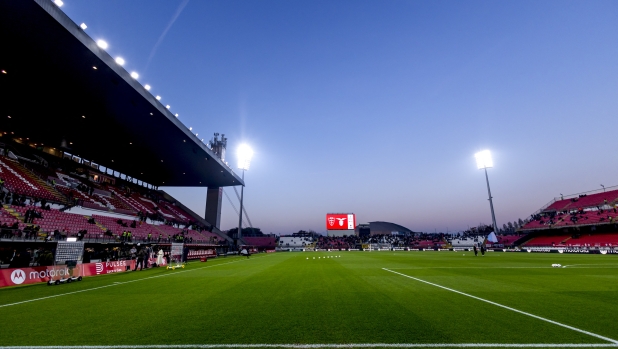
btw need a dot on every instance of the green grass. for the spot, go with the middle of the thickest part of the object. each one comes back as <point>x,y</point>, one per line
<point>285,298</point>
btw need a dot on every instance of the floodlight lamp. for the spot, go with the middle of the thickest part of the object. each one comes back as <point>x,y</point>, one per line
<point>58,3</point>
<point>483,159</point>
<point>158,98</point>
<point>167,106</point>
<point>102,44</point>
<point>244,153</point>
<point>83,26</point>
<point>134,75</point>
<point>147,87</point>
<point>120,61</point>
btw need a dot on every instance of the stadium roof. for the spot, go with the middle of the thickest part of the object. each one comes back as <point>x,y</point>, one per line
<point>61,90</point>
<point>380,227</point>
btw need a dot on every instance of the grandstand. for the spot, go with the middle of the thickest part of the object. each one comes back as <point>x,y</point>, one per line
<point>261,242</point>
<point>579,220</point>
<point>295,242</point>
<point>103,155</point>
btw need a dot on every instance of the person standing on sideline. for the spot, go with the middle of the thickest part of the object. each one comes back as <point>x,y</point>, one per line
<point>483,249</point>
<point>476,250</point>
<point>140,259</point>
<point>185,254</point>
<point>160,256</point>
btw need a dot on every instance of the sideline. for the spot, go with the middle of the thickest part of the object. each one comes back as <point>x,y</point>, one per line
<point>615,342</point>
<point>311,346</point>
<point>116,283</point>
<point>585,266</point>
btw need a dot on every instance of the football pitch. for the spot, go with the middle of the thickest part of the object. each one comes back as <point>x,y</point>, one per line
<point>332,299</point>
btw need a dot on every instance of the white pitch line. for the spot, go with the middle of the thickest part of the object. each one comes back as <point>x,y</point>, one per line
<point>587,265</point>
<point>318,346</point>
<point>607,266</point>
<point>615,342</point>
<point>114,284</point>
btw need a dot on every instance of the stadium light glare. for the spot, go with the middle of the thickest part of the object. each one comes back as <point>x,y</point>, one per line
<point>83,26</point>
<point>158,98</point>
<point>176,115</point>
<point>102,44</point>
<point>134,75</point>
<point>244,153</point>
<point>167,106</point>
<point>147,87</point>
<point>190,128</point>
<point>120,61</point>
<point>483,160</point>
<point>58,3</point>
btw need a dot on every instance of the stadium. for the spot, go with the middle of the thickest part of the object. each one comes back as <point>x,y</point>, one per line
<point>84,150</point>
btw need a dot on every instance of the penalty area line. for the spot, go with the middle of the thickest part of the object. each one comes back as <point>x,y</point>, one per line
<point>615,342</point>
<point>318,346</point>
<point>116,283</point>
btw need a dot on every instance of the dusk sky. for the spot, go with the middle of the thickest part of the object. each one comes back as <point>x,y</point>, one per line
<point>377,107</point>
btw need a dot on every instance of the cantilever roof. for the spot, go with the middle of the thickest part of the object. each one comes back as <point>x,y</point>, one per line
<point>54,96</point>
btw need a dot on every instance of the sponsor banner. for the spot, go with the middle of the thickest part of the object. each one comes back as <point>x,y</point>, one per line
<point>340,221</point>
<point>271,251</point>
<point>90,269</point>
<point>24,276</point>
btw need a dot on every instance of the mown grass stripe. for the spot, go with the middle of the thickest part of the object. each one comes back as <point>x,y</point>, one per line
<point>509,308</point>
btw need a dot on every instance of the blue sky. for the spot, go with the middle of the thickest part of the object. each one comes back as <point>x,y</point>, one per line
<point>377,107</point>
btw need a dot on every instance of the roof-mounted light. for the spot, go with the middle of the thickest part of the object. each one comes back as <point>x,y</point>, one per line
<point>120,61</point>
<point>102,44</point>
<point>83,26</point>
<point>134,75</point>
<point>147,87</point>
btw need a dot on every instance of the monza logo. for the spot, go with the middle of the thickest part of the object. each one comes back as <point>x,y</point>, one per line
<point>331,221</point>
<point>341,220</point>
<point>99,268</point>
<point>18,276</point>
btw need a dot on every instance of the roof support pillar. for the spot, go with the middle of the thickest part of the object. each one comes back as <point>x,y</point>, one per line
<point>214,196</point>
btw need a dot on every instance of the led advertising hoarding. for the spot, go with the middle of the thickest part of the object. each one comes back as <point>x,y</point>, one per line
<point>340,221</point>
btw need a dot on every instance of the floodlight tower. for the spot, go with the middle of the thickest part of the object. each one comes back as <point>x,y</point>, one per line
<point>214,195</point>
<point>484,161</point>
<point>244,153</point>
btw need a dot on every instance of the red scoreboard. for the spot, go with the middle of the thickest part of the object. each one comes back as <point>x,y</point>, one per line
<point>340,221</point>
